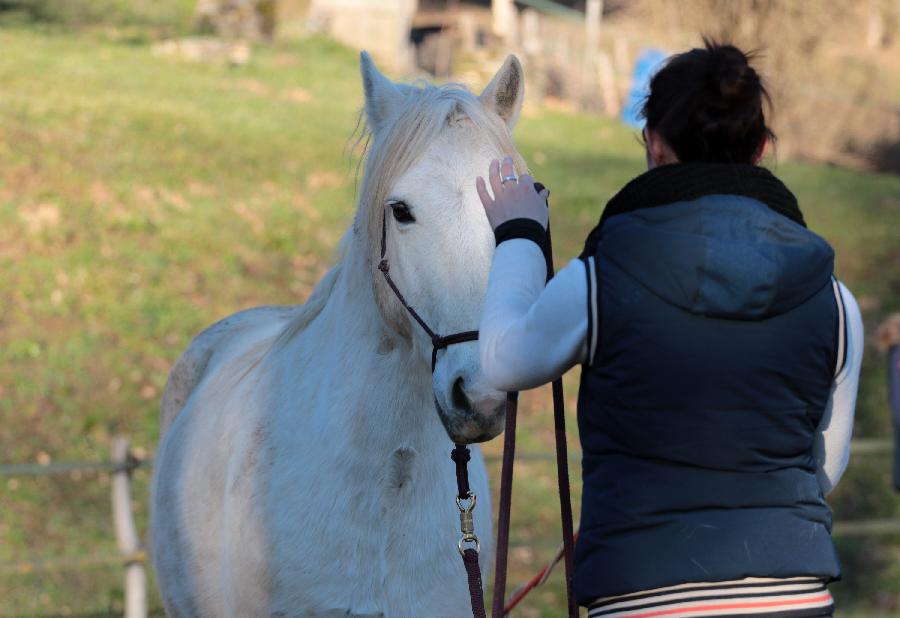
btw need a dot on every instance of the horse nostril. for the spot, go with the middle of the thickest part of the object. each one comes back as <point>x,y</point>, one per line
<point>460,401</point>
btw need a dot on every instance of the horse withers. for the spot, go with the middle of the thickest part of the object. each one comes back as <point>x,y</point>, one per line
<point>303,467</point>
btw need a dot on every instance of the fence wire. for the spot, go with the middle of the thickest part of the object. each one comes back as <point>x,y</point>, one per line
<point>861,446</point>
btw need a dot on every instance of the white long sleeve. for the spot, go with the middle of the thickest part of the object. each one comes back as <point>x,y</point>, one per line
<point>831,448</point>
<point>531,334</point>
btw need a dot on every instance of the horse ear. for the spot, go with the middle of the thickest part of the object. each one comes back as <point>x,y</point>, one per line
<point>505,93</point>
<point>382,96</point>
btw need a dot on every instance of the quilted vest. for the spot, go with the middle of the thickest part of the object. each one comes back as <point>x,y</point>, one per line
<point>713,348</point>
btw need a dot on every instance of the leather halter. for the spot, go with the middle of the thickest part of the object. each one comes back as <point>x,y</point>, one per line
<point>460,456</point>
<point>438,342</point>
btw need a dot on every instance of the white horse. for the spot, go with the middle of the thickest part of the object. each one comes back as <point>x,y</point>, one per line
<point>303,468</point>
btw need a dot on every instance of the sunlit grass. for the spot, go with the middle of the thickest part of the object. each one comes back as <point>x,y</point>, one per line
<point>142,198</point>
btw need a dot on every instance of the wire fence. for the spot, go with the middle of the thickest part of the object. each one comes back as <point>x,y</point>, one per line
<point>860,446</point>
<point>68,467</point>
<point>132,556</point>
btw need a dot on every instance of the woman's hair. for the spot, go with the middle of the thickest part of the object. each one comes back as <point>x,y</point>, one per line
<point>708,105</point>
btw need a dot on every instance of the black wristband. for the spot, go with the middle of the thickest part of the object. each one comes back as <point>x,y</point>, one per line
<point>524,227</point>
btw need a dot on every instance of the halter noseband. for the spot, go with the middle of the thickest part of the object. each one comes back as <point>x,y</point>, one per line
<point>438,342</point>
<point>460,456</point>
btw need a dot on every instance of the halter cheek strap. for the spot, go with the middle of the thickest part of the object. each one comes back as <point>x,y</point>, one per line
<point>438,342</point>
<point>460,456</point>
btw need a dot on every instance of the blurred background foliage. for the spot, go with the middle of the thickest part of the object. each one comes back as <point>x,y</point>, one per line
<point>155,18</point>
<point>153,181</point>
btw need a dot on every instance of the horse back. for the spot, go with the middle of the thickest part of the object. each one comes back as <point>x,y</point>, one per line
<point>215,343</point>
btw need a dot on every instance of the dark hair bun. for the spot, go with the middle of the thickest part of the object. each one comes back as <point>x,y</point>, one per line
<point>730,74</point>
<point>708,105</point>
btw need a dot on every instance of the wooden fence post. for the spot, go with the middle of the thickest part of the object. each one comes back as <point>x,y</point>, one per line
<point>590,60</point>
<point>127,538</point>
<point>608,89</point>
<point>593,16</point>
<point>503,19</point>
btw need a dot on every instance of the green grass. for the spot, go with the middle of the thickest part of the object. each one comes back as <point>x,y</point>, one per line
<point>142,198</point>
<point>128,20</point>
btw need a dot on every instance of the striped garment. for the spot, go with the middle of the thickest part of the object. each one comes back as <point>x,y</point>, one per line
<point>798,597</point>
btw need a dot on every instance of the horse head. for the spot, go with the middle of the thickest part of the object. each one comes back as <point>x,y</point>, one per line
<point>427,145</point>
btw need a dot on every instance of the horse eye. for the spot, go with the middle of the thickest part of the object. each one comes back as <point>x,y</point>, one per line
<point>401,212</point>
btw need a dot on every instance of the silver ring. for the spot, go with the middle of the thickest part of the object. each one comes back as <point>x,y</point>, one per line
<point>506,178</point>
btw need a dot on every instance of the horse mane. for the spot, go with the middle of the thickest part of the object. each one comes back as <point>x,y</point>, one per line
<point>309,310</point>
<point>424,111</point>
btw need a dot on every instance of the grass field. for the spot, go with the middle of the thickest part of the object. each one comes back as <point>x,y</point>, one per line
<point>142,198</point>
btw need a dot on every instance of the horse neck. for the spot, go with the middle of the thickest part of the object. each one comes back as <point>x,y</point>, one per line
<point>384,385</point>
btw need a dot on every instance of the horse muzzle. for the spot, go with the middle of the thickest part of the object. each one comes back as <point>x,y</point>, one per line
<point>470,416</point>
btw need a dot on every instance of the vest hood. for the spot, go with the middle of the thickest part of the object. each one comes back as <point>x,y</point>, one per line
<point>722,256</point>
<point>716,239</point>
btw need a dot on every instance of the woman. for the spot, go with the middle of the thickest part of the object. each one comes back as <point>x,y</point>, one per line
<point>720,361</point>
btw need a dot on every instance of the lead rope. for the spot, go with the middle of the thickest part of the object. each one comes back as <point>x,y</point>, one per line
<point>499,609</point>
<point>460,455</point>
<point>506,481</point>
<point>465,499</point>
<point>562,468</point>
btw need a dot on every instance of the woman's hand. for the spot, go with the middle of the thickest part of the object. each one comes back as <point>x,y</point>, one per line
<point>512,199</point>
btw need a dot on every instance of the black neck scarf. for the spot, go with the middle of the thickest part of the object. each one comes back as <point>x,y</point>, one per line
<point>681,182</point>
